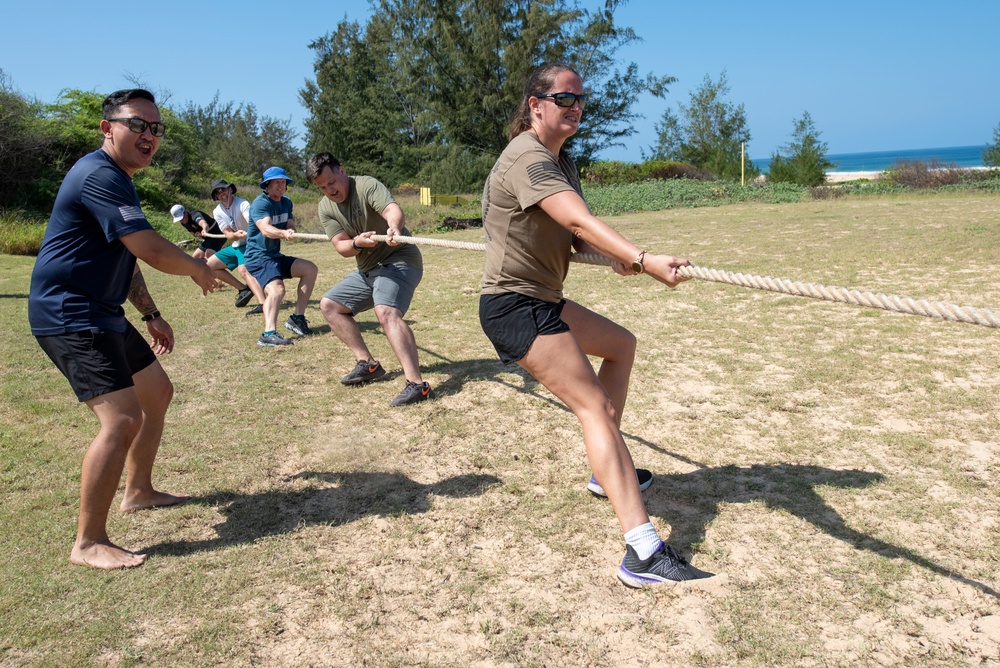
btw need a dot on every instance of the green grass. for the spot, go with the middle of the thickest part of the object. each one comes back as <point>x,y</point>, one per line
<point>839,464</point>
<point>20,233</point>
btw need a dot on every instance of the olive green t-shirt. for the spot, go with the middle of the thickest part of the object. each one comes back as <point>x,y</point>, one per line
<point>526,251</point>
<point>362,212</point>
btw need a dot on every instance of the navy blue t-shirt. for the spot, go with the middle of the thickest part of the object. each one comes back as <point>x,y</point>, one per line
<point>83,271</point>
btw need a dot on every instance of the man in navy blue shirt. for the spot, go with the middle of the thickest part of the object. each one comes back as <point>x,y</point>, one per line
<point>86,269</point>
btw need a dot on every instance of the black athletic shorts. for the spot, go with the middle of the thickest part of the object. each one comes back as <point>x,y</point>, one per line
<point>512,321</point>
<point>212,244</point>
<point>98,361</point>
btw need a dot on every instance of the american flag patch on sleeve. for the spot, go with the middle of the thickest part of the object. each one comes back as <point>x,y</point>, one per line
<point>130,213</point>
<point>540,172</point>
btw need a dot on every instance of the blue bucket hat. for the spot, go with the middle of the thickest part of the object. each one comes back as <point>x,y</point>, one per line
<point>273,173</point>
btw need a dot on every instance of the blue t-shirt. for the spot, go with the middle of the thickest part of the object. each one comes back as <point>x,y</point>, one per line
<point>259,246</point>
<point>83,271</point>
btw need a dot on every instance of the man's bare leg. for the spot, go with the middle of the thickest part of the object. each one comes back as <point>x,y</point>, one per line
<point>154,391</point>
<point>401,338</point>
<point>306,272</point>
<point>251,283</point>
<point>120,416</point>
<point>274,294</point>
<point>345,328</point>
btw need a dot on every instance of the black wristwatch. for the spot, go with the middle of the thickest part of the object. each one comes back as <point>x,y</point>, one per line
<point>637,262</point>
<point>355,244</point>
<point>151,316</point>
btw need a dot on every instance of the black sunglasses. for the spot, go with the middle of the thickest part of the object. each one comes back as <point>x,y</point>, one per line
<point>138,126</point>
<point>565,99</point>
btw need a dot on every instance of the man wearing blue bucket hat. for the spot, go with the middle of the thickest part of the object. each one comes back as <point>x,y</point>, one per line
<point>271,220</point>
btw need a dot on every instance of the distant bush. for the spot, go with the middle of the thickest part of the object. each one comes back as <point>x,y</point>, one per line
<point>407,189</point>
<point>908,180</point>
<point>611,172</point>
<point>922,175</point>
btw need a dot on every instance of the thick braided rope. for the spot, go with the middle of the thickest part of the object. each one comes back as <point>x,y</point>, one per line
<point>941,310</point>
<point>967,314</point>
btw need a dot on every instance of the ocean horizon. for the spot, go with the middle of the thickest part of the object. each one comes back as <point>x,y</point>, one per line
<point>876,161</point>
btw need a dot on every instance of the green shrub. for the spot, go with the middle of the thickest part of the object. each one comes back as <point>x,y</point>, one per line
<point>612,172</point>
<point>407,189</point>
<point>20,233</point>
<point>922,175</point>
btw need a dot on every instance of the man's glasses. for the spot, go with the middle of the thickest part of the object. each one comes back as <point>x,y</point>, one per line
<point>565,99</point>
<point>138,126</point>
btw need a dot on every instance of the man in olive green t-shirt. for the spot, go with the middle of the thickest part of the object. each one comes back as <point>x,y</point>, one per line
<point>351,211</point>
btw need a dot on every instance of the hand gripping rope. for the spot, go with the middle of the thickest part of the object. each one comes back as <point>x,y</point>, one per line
<point>941,310</point>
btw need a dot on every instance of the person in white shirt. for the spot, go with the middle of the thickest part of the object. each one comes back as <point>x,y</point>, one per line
<point>231,213</point>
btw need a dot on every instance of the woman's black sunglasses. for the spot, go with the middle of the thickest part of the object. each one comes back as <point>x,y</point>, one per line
<point>565,99</point>
<point>138,126</point>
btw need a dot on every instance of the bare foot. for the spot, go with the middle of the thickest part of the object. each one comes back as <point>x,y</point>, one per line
<point>106,556</point>
<point>132,503</point>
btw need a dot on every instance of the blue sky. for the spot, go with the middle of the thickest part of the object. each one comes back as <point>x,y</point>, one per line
<point>876,75</point>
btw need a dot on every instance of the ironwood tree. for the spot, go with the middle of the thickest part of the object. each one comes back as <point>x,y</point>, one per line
<point>802,160</point>
<point>426,88</point>
<point>991,154</point>
<point>709,132</point>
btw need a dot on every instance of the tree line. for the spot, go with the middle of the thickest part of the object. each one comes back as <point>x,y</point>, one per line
<point>40,141</point>
<point>421,93</point>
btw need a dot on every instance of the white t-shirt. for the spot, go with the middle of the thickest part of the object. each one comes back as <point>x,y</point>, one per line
<point>234,217</point>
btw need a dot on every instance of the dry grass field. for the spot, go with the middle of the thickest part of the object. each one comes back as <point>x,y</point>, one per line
<point>837,465</point>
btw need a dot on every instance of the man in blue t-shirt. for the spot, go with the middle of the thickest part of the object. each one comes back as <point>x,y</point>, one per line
<point>271,221</point>
<point>85,270</point>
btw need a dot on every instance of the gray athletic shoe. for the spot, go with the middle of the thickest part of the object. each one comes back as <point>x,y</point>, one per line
<point>644,476</point>
<point>256,310</point>
<point>413,393</point>
<point>244,297</point>
<point>663,566</point>
<point>364,372</point>
<point>298,324</point>
<point>271,340</point>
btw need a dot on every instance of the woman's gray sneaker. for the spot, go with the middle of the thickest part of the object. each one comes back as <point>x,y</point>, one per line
<point>663,566</point>
<point>644,476</point>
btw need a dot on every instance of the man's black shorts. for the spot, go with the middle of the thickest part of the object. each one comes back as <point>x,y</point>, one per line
<point>98,361</point>
<point>512,321</point>
<point>212,244</point>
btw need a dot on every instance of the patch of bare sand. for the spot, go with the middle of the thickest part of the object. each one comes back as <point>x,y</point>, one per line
<point>840,177</point>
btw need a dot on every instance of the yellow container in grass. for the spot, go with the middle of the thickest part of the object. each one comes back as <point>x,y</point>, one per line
<point>427,199</point>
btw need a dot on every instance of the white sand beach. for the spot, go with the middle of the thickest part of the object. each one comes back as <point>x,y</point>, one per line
<point>840,177</point>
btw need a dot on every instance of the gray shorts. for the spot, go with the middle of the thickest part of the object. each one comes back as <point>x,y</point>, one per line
<point>386,285</point>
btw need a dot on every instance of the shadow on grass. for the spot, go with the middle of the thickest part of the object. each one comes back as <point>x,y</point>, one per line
<point>690,501</point>
<point>352,496</point>
<point>460,372</point>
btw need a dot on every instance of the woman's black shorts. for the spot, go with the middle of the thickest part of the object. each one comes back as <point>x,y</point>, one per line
<point>512,321</point>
